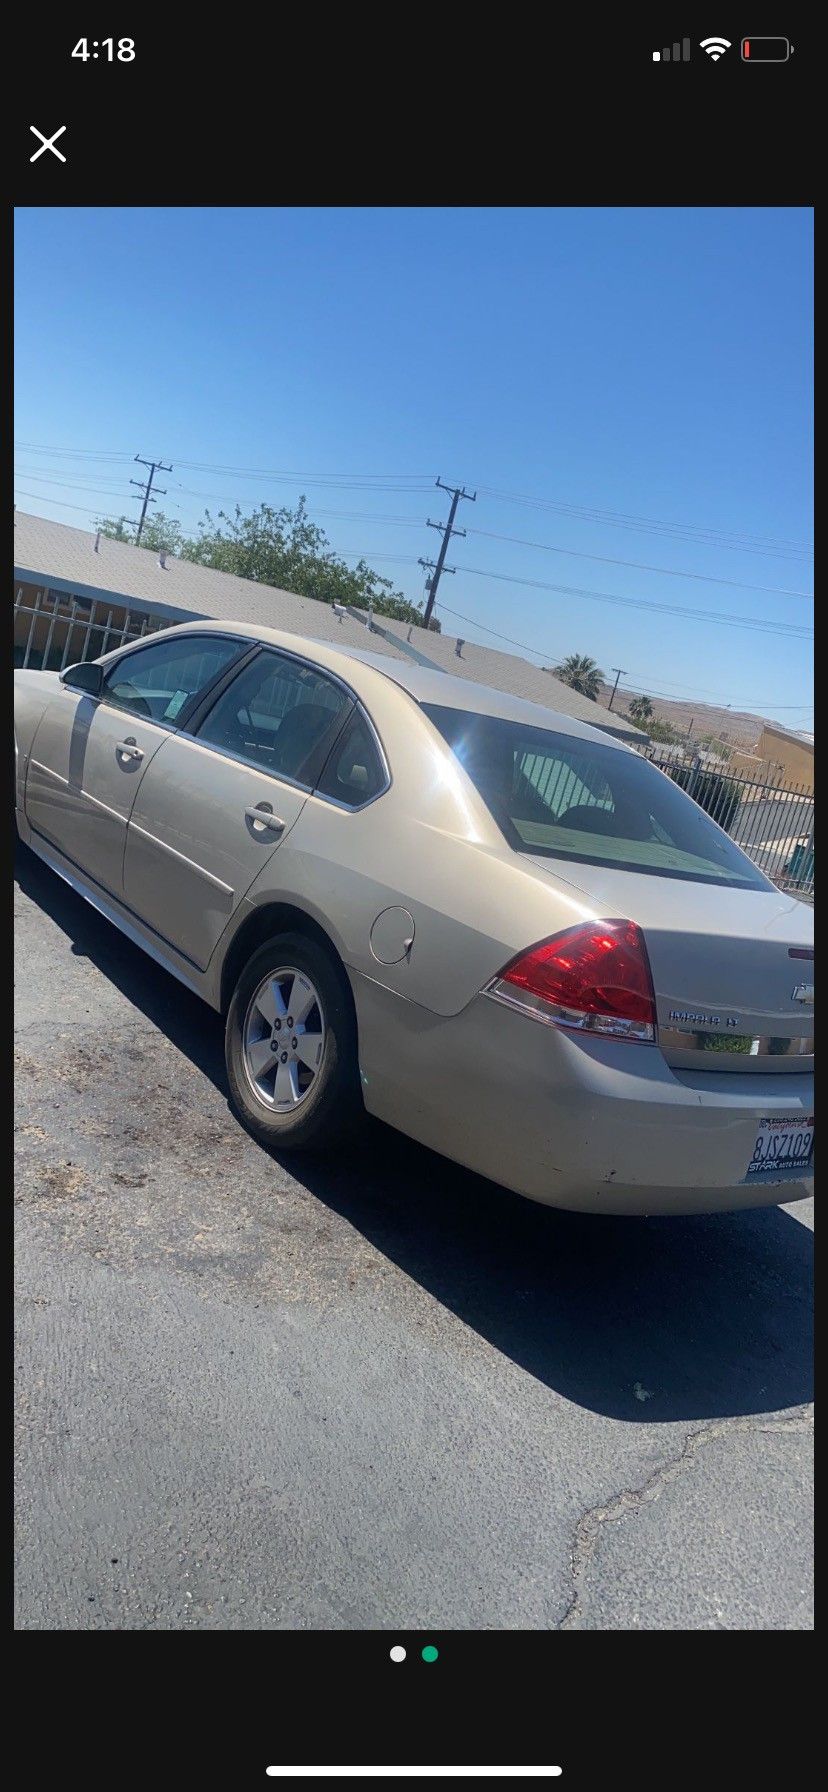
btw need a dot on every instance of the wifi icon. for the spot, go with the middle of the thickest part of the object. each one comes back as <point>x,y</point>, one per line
<point>715,46</point>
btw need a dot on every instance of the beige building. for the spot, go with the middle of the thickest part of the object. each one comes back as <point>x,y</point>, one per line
<point>792,754</point>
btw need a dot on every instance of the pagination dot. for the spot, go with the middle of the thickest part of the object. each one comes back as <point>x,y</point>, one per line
<point>398,1652</point>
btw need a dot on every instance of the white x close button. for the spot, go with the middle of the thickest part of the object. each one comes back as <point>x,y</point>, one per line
<point>47,142</point>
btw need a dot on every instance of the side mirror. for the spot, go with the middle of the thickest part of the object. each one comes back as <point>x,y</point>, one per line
<point>86,677</point>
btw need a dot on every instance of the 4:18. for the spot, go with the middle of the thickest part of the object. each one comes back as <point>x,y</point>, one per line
<point>121,51</point>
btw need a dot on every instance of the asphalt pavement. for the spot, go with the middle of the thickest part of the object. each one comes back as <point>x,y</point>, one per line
<point>376,1392</point>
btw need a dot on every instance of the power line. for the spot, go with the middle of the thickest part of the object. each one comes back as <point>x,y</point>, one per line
<point>698,694</point>
<point>548,655</point>
<point>646,688</point>
<point>59,503</point>
<point>646,681</point>
<point>669,572</point>
<point>438,566</point>
<point>737,540</point>
<point>74,453</point>
<point>391,482</point>
<point>762,625</point>
<point>112,488</point>
<point>370,516</point>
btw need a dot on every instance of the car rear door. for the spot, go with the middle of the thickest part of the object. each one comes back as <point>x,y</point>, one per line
<point>90,754</point>
<point>222,795</point>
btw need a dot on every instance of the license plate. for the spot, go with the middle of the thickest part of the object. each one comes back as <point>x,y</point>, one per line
<point>782,1145</point>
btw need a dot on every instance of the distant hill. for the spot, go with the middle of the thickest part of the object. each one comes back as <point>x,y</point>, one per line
<point>737,728</point>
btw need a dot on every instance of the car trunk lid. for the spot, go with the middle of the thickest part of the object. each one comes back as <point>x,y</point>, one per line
<point>732,969</point>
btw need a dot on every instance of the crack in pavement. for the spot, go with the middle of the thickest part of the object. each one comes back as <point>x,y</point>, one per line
<point>631,1499</point>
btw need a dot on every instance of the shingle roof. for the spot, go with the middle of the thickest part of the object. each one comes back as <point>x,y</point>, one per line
<point>68,558</point>
<point>508,672</point>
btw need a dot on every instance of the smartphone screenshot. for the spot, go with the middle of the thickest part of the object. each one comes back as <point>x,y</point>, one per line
<point>413,868</point>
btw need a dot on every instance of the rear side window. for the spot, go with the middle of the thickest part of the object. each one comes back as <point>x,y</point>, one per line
<point>279,715</point>
<point>560,797</point>
<point>157,681</point>
<point>354,772</point>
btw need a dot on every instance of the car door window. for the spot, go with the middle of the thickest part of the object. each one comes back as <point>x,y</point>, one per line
<point>279,715</point>
<point>354,772</point>
<point>158,680</point>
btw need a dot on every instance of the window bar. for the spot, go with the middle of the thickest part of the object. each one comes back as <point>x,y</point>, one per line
<point>34,615</point>
<point>106,634</point>
<point>19,608</point>
<point>125,629</point>
<point>50,631</point>
<point>69,632</point>
<point>89,627</point>
<point>749,813</point>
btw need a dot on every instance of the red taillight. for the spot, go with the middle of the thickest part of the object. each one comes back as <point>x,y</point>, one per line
<point>595,977</point>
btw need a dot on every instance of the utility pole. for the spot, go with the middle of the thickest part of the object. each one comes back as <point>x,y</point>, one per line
<point>155,466</point>
<point>620,672</point>
<point>437,567</point>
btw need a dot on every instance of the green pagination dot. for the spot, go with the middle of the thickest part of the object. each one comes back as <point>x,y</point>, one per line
<point>430,1653</point>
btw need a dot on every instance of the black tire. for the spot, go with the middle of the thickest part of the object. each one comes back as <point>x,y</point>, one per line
<point>332,1108</point>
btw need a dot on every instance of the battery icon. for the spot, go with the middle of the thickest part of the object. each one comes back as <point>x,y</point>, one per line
<point>766,49</point>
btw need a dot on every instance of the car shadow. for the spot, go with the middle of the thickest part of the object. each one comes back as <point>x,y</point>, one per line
<point>643,1320</point>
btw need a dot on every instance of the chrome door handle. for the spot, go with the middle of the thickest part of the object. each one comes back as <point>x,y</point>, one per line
<point>128,749</point>
<point>265,818</point>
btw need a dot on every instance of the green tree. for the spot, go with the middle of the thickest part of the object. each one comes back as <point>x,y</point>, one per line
<point>715,745</point>
<point>664,731</point>
<point>159,531</point>
<point>273,547</point>
<point>582,674</point>
<point>640,709</point>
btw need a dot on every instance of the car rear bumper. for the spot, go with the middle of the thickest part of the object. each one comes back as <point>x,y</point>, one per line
<point>598,1125</point>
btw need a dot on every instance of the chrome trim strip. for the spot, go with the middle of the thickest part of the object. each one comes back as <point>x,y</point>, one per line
<point>49,773</point>
<point>735,1045</point>
<point>98,804</point>
<point>86,795</point>
<point>226,889</point>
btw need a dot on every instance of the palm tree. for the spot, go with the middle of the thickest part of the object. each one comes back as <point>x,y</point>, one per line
<point>582,674</point>
<point>640,709</point>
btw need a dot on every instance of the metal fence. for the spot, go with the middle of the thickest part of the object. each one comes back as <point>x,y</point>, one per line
<point>772,822</point>
<point>55,629</point>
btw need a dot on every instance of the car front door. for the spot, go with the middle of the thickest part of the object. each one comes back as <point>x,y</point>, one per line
<point>90,753</point>
<point>222,795</point>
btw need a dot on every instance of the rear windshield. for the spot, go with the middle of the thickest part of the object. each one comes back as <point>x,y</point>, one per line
<point>559,797</point>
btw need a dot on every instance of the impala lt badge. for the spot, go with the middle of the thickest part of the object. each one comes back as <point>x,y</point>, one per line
<point>703,1020</point>
<point>804,992</point>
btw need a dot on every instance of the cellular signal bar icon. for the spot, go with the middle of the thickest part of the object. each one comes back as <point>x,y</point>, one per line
<point>680,52</point>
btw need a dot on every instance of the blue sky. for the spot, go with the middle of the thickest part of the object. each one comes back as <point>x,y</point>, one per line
<point>650,364</point>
